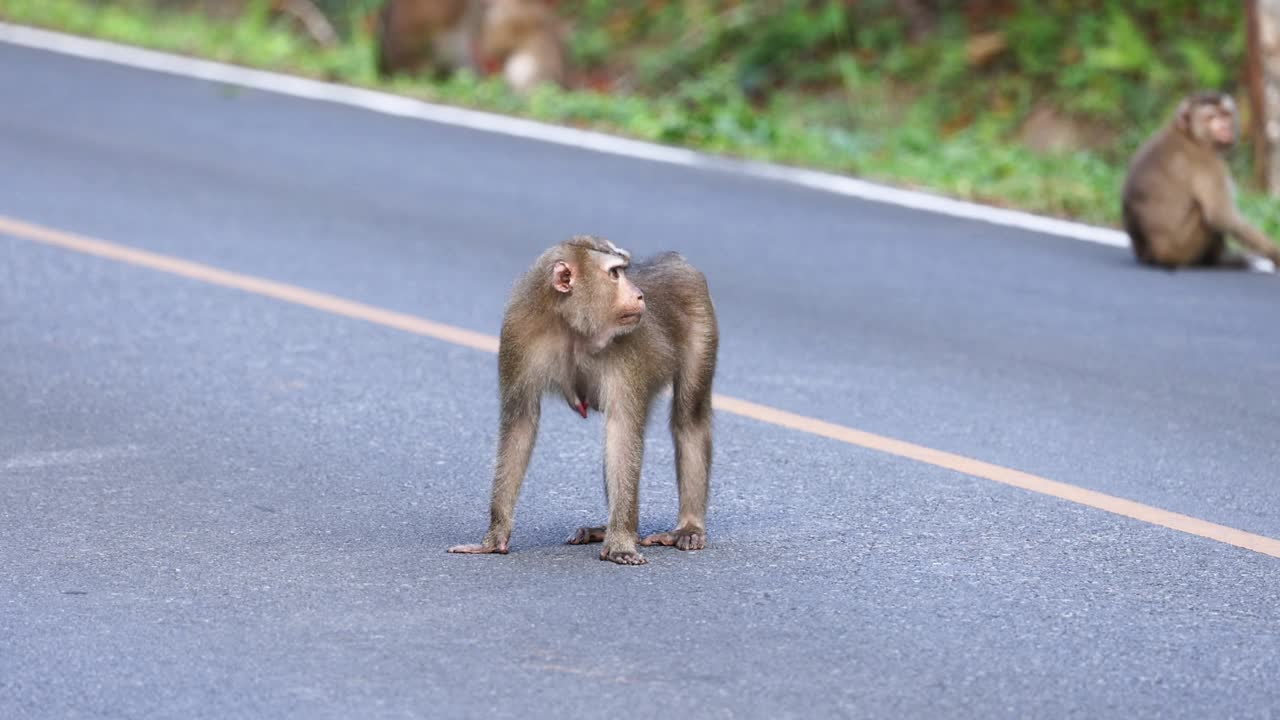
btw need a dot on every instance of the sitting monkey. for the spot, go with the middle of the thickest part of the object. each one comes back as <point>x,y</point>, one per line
<point>1179,199</point>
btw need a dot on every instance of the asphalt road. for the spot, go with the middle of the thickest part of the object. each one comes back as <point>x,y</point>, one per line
<point>214,504</point>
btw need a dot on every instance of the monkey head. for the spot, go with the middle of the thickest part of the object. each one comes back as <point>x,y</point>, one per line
<point>1208,118</point>
<point>595,297</point>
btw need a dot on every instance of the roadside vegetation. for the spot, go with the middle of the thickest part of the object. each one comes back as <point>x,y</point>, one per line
<point>1021,103</point>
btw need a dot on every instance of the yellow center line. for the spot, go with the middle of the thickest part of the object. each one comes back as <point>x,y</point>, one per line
<point>722,403</point>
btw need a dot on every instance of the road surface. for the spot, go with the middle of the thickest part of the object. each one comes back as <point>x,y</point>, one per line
<point>217,504</point>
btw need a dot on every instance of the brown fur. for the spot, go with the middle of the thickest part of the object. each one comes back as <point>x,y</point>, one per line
<point>525,38</point>
<point>569,340</point>
<point>1178,200</point>
<point>431,36</point>
<point>303,16</point>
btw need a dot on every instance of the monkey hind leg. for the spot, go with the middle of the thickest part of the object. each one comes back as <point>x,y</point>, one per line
<point>691,433</point>
<point>1219,255</point>
<point>1138,241</point>
<point>586,535</point>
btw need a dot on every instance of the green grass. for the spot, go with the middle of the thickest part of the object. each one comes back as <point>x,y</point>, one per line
<point>878,136</point>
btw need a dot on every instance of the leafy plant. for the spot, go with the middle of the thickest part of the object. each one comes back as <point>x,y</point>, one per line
<point>823,83</point>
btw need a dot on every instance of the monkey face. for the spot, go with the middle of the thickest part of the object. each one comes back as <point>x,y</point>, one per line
<point>628,300</point>
<point>1209,118</point>
<point>619,304</point>
<point>597,299</point>
<point>1222,128</point>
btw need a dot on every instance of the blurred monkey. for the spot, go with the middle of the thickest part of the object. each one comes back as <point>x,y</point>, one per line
<point>433,36</point>
<point>526,38</point>
<point>305,15</point>
<point>1178,199</point>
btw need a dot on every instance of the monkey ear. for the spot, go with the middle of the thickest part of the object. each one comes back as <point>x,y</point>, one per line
<point>1184,115</point>
<point>562,276</point>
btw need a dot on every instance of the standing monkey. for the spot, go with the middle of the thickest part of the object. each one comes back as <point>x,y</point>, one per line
<point>439,36</point>
<point>607,335</point>
<point>1179,199</point>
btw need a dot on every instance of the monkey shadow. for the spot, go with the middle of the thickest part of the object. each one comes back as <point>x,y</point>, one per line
<point>1243,266</point>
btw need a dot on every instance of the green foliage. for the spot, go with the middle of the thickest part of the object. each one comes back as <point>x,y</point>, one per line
<point>822,83</point>
<point>1104,60</point>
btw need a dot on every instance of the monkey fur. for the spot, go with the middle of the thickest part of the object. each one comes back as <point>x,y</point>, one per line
<point>585,323</point>
<point>1178,199</point>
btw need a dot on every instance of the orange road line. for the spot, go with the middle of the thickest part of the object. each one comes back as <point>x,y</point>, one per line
<point>722,403</point>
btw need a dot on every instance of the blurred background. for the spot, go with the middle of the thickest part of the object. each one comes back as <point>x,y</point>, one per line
<point>963,468</point>
<point>1032,104</point>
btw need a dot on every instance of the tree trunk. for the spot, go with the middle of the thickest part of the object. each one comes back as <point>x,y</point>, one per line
<point>1263,27</point>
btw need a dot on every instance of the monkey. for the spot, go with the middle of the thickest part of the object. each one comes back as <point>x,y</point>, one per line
<point>303,16</point>
<point>525,37</point>
<point>1178,199</point>
<point>436,36</point>
<point>306,16</point>
<point>585,323</point>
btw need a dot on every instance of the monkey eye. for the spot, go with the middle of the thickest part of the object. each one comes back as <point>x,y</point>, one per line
<point>614,273</point>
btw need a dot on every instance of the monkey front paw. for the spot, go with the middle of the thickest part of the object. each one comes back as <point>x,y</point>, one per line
<point>622,556</point>
<point>682,538</point>
<point>585,535</point>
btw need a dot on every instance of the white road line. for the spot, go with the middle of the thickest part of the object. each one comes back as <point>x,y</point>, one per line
<point>390,104</point>
<point>332,304</point>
